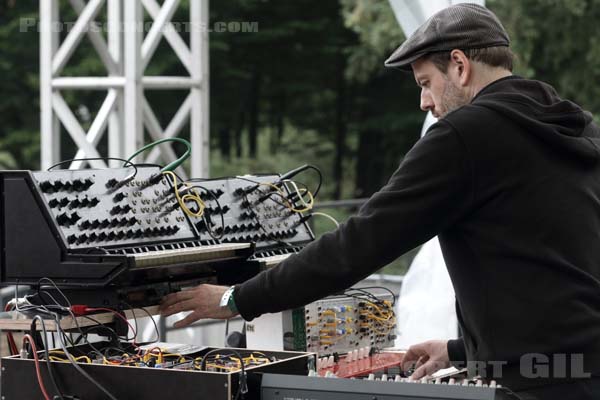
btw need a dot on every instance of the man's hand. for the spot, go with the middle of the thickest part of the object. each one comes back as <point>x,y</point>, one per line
<point>203,301</point>
<point>427,358</point>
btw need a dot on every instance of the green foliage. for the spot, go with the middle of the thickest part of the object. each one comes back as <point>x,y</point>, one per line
<point>378,32</point>
<point>7,161</point>
<point>557,41</point>
<point>19,103</point>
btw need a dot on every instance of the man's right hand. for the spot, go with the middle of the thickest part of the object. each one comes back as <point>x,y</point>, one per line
<point>426,357</point>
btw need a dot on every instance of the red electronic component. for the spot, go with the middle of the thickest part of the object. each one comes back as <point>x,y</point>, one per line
<point>371,364</point>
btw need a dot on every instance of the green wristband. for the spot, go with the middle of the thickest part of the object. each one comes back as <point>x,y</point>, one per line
<point>227,300</point>
<point>231,302</point>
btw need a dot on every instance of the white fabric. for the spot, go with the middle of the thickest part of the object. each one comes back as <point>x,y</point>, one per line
<point>425,309</point>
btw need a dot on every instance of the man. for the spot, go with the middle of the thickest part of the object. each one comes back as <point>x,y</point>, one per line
<point>509,178</point>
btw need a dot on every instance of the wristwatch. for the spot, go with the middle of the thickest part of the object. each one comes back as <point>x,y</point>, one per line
<point>228,301</point>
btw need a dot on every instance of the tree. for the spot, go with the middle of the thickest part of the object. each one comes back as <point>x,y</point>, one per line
<point>558,42</point>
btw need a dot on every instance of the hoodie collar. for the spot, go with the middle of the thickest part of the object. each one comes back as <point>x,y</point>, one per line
<point>490,86</point>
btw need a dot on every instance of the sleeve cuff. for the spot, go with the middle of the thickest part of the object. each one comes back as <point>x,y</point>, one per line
<point>456,352</point>
<point>243,312</point>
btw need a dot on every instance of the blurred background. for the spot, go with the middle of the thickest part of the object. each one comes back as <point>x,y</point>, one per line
<point>305,85</point>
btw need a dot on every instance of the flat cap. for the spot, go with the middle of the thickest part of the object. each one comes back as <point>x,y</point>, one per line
<point>461,26</point>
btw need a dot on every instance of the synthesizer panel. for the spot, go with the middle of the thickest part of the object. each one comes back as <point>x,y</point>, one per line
<point>250,209</point>
<point>344,324</point>
<point>103,208</point>
<point>127,226</point>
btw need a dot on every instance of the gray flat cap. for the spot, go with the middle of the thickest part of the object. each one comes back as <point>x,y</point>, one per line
<point>461,26</point>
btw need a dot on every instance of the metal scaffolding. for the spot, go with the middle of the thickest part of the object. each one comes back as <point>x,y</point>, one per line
<point>125,53</point>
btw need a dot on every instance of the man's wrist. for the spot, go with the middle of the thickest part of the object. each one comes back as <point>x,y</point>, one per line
<point>227,300</point>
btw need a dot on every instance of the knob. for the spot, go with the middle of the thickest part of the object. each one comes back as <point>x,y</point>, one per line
<point>53,203</point>
<point>58,185</point>
<point>72,239</point>
<point>120,234</point>
<point>63,219</point>
<point>87,183</point>
<point>84,202</point>
<point>129,233</point>
<point>95,223</point>
<point>102,236</point>
<point>112,183</point>
<point>94,201</point>
<point>75,217</point>
<point>126,208</point>
<point>78,184</point>
<point>120,196</point>
<point>132,221</point>
<point>174,228</point>
<point>93,237</point>
<point>224,209</point>
<point>63,202</point>
<point>227,229</point>
<point>46,186</point>
<point>115,210</point>
<point>138,233</point>
<point>75,203</point>
<point>104,223</point>
<point>82,238</point>
<point>85,224</point>
<point>114,222</point>
<point>111,235</point>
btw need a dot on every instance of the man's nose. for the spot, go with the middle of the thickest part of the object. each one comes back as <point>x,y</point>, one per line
<point>426,102</point>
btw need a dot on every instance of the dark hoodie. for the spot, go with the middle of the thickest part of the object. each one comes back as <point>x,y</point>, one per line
<point>511,184</point>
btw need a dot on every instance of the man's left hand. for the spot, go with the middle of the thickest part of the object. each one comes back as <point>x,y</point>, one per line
<point>203,301</point>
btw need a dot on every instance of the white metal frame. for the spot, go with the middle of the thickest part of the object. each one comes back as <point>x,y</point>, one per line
<point>125,111</point>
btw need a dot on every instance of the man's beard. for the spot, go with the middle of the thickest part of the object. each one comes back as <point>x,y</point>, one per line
<point>452,98</point>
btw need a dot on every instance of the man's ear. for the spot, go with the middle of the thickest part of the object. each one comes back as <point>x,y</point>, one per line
<point>461,67</point>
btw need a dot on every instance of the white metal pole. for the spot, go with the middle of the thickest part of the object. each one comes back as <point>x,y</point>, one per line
<point>49,128</point>
<point>115,48</point>
<point>199,119</point>
<point>133,29</point>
